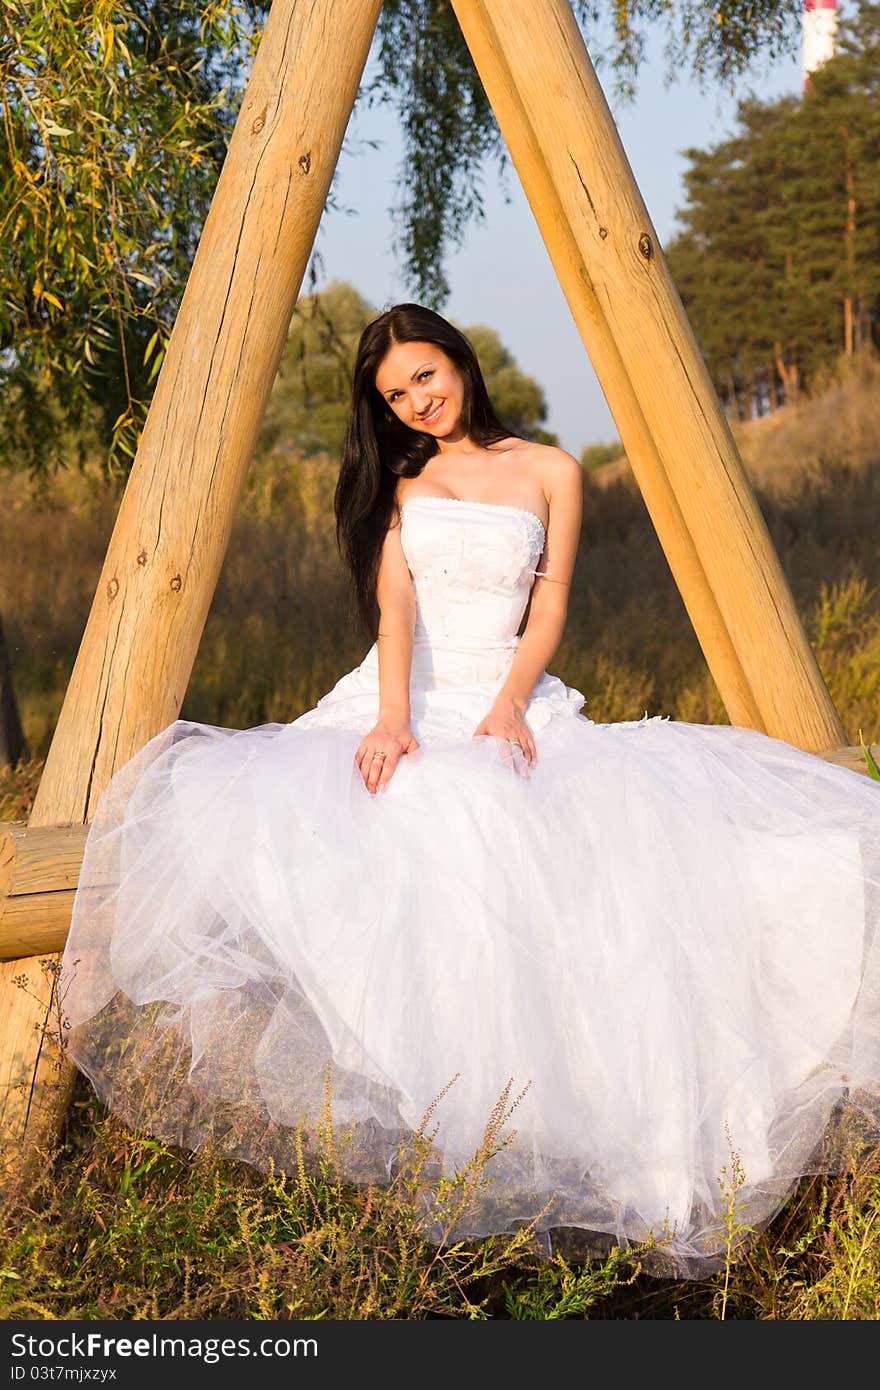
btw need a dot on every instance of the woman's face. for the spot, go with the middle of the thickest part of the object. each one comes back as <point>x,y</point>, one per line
<point>424,388</point>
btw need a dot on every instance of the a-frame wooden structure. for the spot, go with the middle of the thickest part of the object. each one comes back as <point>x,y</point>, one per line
<point>170,537</point>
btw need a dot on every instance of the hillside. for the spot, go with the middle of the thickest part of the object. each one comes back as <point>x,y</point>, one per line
<point>841,423</point>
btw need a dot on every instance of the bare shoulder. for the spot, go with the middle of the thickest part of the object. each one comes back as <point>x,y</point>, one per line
<point>558,472</point>
<point>562,471</point>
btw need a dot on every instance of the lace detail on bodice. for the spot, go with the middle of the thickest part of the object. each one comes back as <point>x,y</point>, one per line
<point>473,565</point>
<point>473,578</point>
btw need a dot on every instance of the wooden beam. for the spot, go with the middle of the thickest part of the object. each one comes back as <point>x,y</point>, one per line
<point>171,533</point>
<point>34,924</point>
<point>538,75</point>
<point>35,921</point>
<point>39,858</point>
<point>687,570</point>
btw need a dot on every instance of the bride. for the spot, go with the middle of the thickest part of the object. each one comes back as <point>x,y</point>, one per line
<point>446,885</point>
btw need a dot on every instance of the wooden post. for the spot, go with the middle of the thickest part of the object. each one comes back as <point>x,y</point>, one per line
<point>565,145</point>
<point>170,537</point>
<point>573,277</point>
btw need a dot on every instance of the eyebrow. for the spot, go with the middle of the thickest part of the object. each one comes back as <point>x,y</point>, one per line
<point>412,378</point>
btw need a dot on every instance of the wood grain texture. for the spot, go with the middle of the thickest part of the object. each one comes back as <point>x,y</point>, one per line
<point>173,526</point>
<point>583,180</point>
<point>39,859</point>
<point>574,279</point>
<point>34,924</point>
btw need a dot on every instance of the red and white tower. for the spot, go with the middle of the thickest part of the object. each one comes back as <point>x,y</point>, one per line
<point>819,35</point>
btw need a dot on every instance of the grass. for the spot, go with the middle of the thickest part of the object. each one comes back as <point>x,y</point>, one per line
<point>119,1224</point>
<point>122,1226</point>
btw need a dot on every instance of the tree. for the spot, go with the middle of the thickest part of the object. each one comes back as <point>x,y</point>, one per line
<point>116,119</point>
<point>518,398</point>
<point>425,70</point>
<point>100,94</point>
<point>96,248</point>
<point>597,455</point>
<point>309,403</point>
<point>778,260</point>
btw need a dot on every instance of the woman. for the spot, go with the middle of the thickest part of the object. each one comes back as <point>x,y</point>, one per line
<point>446,881</point>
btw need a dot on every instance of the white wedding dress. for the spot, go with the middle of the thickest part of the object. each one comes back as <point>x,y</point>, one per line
<point>665,933</point>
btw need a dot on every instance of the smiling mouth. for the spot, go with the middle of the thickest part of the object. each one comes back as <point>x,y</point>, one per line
<point>434,415</point>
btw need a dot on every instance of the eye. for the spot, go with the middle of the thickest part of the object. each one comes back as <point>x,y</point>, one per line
<point>429,371</point>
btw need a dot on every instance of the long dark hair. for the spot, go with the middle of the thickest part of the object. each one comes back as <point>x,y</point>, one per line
<point>379,448</point>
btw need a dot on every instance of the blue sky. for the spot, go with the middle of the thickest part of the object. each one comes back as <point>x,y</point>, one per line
<point>502,275</point>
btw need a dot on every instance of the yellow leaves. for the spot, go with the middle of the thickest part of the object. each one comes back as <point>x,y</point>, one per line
<point>148,350</point>
<point>22,171</point>
<point>41,293</point>
<point>157,363</point>
<point>108,34</point>
<point>160,354</point>
<point>112,40</point>
<point>143,279</point>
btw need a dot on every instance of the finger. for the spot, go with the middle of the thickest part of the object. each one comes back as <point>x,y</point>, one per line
<point>388,766</point>
<point>366,763</point>
<point>374,773</point>
<point>371,773</point>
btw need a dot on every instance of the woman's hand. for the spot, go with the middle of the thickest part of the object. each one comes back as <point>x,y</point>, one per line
<point>506,720</point>
<point>380,750</point>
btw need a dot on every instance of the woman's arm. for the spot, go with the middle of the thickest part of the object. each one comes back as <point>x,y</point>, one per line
<point>391,736</point>
<point>548,610</point>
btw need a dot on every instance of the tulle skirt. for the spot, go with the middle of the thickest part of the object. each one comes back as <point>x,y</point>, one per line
<point>661,941</point>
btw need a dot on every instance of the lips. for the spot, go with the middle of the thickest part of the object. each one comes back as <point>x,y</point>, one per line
<point>433,417</point>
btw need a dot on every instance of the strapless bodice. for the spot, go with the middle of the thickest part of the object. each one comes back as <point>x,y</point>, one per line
<point>473,565</point>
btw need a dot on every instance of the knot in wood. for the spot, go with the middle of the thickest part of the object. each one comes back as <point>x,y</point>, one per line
<point>258,124</point>
<point>113,587</point>
<point>176,583</point>
<point>305,162</point>
<point>646,246</point>
<point>142,557</point>
<point>603,232</point>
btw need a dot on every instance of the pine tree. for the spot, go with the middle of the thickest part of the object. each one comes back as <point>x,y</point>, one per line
<point>778,259</point>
